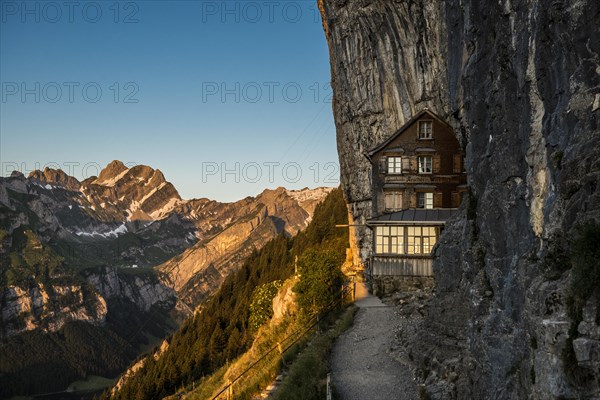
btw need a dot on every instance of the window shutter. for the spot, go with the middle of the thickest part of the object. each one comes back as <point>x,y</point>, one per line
<point>393,201</point>
<point>383,165</point>
<point>455,199</point>
<point>413,165</point>
<point>389,201</point>
<point>399,201</point>
<point>457,164</point>
<point>405,165</point>
<point>437,200</point>
<point>413,200</point>
<point>381,202</point>
<point>436,164</point>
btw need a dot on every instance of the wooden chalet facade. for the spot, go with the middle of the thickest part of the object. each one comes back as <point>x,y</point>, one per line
<point>418,182</point>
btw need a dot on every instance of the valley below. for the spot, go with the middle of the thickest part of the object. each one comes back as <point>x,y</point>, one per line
<point>96,272</point>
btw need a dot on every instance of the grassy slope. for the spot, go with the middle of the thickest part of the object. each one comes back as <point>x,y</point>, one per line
<point>221,331</point>
<point>306,377</point>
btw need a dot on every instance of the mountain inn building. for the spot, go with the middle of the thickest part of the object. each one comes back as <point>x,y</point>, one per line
<point>418,182</point>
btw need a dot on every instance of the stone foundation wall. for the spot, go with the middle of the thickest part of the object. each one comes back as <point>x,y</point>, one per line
<point>386,285</point>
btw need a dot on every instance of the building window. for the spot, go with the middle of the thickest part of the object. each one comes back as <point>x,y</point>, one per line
<point>425,164</point>
<point>394,165</point>
<point>405,240</point>
<point>420,239</point>
<point>393,201</point>
<point>425,129</point>
<point>389,240</point>
<point>425,200</point>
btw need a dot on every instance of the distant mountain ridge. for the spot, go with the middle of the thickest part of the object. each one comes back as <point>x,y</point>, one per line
<point>197,271</point>
<point>113,252</point>
<point>134,217</point>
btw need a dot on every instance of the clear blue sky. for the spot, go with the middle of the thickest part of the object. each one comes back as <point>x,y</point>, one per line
<point>242,85</point>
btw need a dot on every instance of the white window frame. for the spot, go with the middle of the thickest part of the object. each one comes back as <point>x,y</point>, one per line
<point>425,162</point>
<point>420,239</point>
<point>389,240</point>
<point>394,165</point>
<point>425,200</point>
<point>403,240</point>
<point>425,130</point>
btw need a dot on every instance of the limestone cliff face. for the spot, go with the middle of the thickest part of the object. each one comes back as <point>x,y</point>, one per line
<point>520,83</point>
<point>49,306</point>
<point>142,290</point>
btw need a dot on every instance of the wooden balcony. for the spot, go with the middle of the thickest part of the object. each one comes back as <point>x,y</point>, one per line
<point>424,179</point>
<point>400,266</point>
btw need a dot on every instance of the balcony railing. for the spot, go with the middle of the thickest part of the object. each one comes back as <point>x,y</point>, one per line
<point>400,266</point>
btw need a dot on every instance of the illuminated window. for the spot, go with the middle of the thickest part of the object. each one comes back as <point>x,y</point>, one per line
<point>394,165</point>
<point>425,164</point>
<point>405,240</point>
<point>420,239</point>
<point>425,129</point>
<point>389,240</point>
<point>425,200</point>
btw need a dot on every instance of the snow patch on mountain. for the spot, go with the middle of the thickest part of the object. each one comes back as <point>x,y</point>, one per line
<point>120,230</point>
<point>166,209</point>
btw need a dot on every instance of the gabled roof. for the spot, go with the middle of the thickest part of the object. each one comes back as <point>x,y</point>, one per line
<point>404,127</point>
<point>434,216</point>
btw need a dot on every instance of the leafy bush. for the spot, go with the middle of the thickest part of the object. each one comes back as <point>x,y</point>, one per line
<point>261,308</point>
<point>320,281</point>
<point>306,378</point>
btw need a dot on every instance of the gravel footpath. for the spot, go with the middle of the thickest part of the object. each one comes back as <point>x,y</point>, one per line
<point>366,360</point>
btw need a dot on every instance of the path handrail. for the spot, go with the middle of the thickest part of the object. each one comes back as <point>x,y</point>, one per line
<point>314,320</point>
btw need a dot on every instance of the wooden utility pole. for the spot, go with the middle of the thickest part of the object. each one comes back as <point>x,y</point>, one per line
<point>296,265</point>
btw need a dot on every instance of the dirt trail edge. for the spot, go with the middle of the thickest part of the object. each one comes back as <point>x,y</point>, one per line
<point>368,361</point>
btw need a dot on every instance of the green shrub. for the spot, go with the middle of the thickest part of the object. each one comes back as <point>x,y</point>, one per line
<point>306,378</point>
<point>320,281</point>
<point>261,307</point>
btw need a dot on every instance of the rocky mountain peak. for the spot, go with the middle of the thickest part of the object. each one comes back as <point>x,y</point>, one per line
<point>137,193</point>
<point>309,198</point>
<point>50,176</point>
<point>109,175</point>
<point>143,171</point>
<point>17,174</point>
